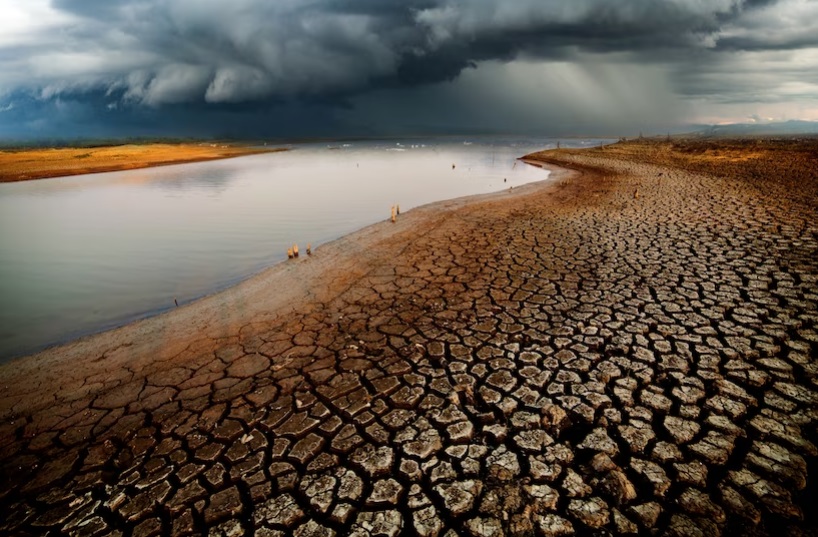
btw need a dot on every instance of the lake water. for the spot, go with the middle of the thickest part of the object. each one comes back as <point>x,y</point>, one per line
<point>86,253</point>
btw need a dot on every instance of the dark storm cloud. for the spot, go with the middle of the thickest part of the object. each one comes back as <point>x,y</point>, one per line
<point>325,54</point>
<point>202,50</point>
<point>793,26</point>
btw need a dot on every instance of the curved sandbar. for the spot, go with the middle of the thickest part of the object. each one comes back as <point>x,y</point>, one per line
<point>627,347</point>
<point>271,295</point>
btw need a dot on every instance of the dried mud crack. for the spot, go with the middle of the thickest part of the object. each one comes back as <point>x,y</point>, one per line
<point>576,360</point>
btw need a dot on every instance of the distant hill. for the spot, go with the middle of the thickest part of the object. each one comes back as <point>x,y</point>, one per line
<point>791,127</point>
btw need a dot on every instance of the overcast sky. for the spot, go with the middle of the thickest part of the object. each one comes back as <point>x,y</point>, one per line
<point>296,68</point>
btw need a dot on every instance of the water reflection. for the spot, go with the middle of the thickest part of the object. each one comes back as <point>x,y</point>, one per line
<point>213,180</point>
<point>85,253</point>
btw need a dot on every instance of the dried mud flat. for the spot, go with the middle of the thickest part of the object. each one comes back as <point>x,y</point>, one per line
<point>628,349</point>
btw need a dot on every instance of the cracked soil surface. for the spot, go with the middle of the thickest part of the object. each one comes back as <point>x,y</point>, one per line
<point>628,348</point>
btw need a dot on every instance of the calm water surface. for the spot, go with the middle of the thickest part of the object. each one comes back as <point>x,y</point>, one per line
<point>87,253</point>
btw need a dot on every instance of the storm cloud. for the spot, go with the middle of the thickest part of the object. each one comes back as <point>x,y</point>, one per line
<point>351,60</point>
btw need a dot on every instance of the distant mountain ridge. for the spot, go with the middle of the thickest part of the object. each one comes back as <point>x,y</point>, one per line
<point>791,127</point>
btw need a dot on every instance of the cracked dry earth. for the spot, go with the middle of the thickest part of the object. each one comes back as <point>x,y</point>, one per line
<point>577,360</point>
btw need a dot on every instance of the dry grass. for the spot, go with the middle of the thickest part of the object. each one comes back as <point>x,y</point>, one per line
<point>25,164</point>
<point>786,162</point>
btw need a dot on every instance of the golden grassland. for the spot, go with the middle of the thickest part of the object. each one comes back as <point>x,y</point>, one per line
<point>40,163</point>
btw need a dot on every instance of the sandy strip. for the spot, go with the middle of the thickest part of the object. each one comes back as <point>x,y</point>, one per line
<point>28,164</point>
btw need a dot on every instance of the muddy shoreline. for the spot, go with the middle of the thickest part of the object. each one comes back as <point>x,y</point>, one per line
<point>270,294</point>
